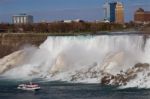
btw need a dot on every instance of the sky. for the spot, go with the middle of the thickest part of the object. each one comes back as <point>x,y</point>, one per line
<point>55,10</point>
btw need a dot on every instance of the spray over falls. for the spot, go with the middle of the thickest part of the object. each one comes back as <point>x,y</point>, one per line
<point>116,60</point>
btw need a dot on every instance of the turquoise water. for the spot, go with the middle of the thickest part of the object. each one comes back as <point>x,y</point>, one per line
<point>63,90</point>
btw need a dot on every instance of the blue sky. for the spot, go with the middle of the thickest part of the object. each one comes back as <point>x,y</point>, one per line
<point>51,10</point>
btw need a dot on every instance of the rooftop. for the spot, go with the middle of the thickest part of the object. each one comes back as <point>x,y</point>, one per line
<point>140,10</point>
<point>119,3</point>
<point>147,12</point>
<point>22,14</point>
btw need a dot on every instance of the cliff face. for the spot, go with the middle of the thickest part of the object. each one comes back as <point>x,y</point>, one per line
<point>10,42</point>
<point>11,61</point>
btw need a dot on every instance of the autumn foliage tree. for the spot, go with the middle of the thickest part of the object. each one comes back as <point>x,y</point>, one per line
<point>61,27</point>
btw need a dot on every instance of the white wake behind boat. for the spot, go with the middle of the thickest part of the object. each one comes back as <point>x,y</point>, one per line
<point>29,87</point>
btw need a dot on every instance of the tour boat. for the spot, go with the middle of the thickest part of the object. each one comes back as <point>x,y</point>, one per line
<point>30,87</point>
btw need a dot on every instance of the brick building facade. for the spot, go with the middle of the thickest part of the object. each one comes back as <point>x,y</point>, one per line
<point>142,16</point>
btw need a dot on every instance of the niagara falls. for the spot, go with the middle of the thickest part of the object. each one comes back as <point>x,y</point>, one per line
<point>74,49</point>
<point>93,61</point>
<point>107,59</point>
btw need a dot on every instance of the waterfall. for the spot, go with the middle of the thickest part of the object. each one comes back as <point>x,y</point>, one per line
<point>81,58</point>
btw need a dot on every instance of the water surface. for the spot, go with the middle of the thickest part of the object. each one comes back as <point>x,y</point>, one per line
<point>63,90</point>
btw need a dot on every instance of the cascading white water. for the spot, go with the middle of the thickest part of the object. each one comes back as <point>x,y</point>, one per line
<point>62,58</point>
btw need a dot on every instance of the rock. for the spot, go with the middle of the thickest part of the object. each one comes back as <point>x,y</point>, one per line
<point>11,61</point>
<point>123,78</point>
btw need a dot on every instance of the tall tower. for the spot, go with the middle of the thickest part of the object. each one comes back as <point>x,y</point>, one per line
<point>112,11</point>
<point>119,13</point>
<point>106,8</point>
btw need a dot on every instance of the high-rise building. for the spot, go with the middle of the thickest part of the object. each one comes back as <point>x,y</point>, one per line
<point>114,12</point>
<point>106,11</point>
<point>142,16</point>
<point>119,13</point>
<point>22,19</point>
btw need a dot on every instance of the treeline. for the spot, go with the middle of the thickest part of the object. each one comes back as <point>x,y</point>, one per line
<point>60,27</point>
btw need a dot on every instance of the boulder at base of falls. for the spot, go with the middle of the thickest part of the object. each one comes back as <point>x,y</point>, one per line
<point>124,77</point>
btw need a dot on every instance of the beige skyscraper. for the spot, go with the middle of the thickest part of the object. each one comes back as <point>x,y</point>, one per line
<point>119,13</point>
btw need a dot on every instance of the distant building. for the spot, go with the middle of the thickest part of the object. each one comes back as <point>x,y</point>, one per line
<point>22,19</point>
<point>142,16</point>
<point>78,20</point>
<point>114,12</point>
<point>106,11</point>
<point>119,13</point>
<point>67,21</point>
<point>71,21</point>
